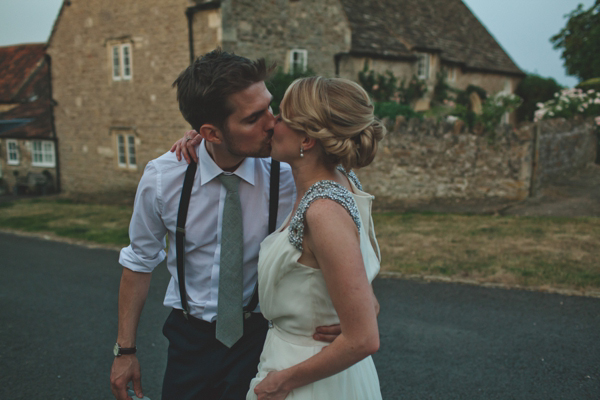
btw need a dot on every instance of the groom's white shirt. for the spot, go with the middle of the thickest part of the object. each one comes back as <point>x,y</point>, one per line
<point>155,216</point>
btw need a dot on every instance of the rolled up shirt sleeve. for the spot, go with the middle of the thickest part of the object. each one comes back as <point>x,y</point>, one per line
<point>147,231</point>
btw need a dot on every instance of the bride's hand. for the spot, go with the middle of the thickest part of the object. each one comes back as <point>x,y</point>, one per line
<point>271,388</point>
<point>186,146</point>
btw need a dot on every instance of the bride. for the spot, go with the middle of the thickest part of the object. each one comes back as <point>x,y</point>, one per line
<point>316,269</point>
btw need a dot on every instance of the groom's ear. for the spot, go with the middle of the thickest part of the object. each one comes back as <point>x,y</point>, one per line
<point>210,133</point>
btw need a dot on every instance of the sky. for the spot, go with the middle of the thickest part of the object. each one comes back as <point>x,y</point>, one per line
<point>522,27</point>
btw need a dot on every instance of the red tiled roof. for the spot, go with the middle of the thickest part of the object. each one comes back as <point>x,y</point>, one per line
<point>17,64</point>
<point>25,92</point>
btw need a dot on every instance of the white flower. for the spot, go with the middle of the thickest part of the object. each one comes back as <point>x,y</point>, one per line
<point>597,119</point>
<point>558,108</point>
<point>551,114</point>
<point>540,105</point>
<point>591,91</point>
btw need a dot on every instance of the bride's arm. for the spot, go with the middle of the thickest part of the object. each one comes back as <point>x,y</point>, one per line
<point>333,239</point>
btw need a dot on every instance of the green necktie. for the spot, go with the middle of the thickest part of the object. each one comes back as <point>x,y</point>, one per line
<point>230,322</point>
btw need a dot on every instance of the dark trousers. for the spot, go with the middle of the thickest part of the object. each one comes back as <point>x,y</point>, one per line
<point>199,367</point>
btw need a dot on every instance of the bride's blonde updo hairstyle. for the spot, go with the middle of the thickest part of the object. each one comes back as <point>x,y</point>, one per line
<point>339,114</point>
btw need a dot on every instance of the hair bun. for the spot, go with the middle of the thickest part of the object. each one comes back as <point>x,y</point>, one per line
<point>338,113</point>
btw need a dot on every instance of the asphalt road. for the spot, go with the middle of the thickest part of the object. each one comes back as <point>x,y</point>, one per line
<point>58,305</point>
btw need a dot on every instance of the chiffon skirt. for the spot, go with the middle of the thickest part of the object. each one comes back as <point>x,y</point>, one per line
<point>283,350</point>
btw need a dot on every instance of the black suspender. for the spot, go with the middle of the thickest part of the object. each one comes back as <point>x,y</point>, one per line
<point>184,203</point>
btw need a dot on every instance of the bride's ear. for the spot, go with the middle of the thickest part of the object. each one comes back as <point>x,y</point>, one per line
<point>210,133</point>
<point>308,142</point>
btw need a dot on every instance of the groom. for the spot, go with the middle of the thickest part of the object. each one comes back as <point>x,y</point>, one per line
<point>224,98</point>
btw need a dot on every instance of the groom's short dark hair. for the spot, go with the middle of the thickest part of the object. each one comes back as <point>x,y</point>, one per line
<point>204,87</point>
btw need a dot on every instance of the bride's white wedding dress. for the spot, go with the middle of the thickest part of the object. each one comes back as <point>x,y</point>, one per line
<point>295,300</point>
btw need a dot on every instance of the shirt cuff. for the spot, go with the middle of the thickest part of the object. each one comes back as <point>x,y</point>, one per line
<point>130,260</point>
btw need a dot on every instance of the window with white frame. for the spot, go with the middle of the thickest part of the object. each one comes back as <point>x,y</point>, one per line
<point>423,66</point>
<point>298,60</point>
<point>121,61</point>
<point>126,151</point>
<point>451,74</point>
<point>12,149</point>
<point>43,153</point>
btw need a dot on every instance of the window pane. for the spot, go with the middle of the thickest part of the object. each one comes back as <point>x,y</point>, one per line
<point>116,63</point>
<point>37,152</point>
<point>126,61</point>
<point>131,149</point>
<point>297,61</point>
<point>13,152</point>
<point>48,153</point>
<point>121,149</point>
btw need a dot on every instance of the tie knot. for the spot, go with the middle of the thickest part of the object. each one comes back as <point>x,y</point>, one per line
<point>231,182</point>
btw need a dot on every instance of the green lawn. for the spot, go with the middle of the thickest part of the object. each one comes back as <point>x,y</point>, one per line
<point>547,252</point>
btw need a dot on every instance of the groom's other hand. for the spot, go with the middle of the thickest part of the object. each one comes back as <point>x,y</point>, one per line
<point>125,369</point>
<point>327,333</point>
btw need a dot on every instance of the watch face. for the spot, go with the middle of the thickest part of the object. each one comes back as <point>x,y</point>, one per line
<point>116,349</point>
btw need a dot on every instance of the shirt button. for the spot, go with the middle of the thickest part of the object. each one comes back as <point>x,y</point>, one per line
<point>270,324</point>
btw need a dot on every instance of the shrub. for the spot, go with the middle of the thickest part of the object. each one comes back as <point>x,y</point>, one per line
<point>534,89</point>
<point>279,83</point>
<point>391,110</point>
<point>593,83</point>
<point>385,87</point>
<point>570,102</point>
<point>494,108</point>
<point>464,97</point>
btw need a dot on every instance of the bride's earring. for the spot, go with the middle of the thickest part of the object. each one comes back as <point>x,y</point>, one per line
<point>301,151</point>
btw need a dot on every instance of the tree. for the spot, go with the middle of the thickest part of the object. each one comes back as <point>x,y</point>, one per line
<point>534,89</point>
<point>580,42</point>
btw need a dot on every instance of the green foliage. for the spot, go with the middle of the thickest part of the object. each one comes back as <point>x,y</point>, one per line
<point>580,42</point>
<point>385,87</point>
<point>442,91</point>
<point>494,108</point>
<point>279,83</point>
<point>534,89</point>
<point>464,97</point>
<point>380,87</point>
<point>593,84</point>
<point>391,110</point>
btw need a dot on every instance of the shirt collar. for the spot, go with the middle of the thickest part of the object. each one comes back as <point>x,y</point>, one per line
<point>209,170</point>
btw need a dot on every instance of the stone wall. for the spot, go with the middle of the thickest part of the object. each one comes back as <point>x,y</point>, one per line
<point>561,147</point>
<point>253,29</point>
<point>425,161</point>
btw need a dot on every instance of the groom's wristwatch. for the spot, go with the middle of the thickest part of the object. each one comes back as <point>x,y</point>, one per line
<point>119,351</point>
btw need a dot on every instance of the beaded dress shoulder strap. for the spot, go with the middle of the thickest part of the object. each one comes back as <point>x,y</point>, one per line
<point>351,175</point>
<point>321,190</point>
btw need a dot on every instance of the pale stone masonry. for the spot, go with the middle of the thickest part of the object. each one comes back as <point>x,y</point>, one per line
<point>424,161</point>
<point>114,62</point>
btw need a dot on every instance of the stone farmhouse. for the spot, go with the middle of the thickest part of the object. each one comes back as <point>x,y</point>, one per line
<point>28,158</point>
<point>114,62</point>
